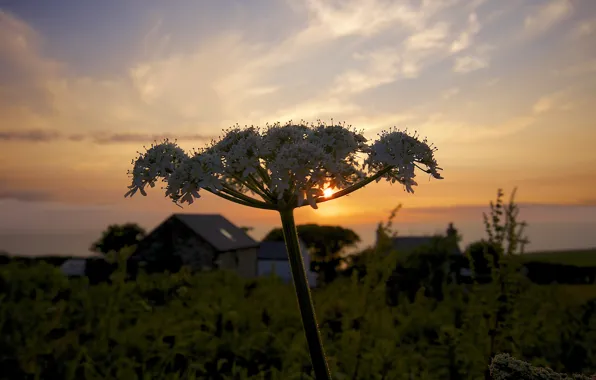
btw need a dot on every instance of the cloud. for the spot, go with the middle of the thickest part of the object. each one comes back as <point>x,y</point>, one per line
<point>45,136</point>
<point>476,60</point>
<point>262,90</point>
<point>154,43</point>
<point>25,195</point>
<point>578,69</point>
<point>446,130</point>
<point>22,74</point>
<point>222,81</point>
<point>369,17</point>
<point>557,100</point>
<point>227,78</point>
<point>465,38</point>
<point>31,135</point>
<point>323,107</point>
<point>382,66</point>
<point>140,137</point>
<point>547,16</point>
<point>583,29</point>
<point>430,38</point>
<point>543,104</point>
<point>38,96</point>
<point>423,44</point>
<point>450,93</point>
<point>469,63</point>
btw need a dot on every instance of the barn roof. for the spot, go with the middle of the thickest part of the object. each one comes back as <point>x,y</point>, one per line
<point>216,230</point>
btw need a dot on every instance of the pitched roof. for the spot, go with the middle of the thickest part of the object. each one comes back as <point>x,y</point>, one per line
<point>276,250</point>
<point>217,231</point>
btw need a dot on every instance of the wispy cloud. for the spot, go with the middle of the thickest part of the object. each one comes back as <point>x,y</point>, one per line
<point>583,28</point>
<point>25,195</point>
<point>469,63</point>
<point>431,38</point>
<point>31,135</point>
<point>368,17</point>
<point>543,104</point>
<point>381,67</point>
<point>450,93</point>
<point>45,136</point>
<point>578,69</point>
<point>477,59</point>
<point>547,16</point>
<point>556,101</point>
<point>464,40</point>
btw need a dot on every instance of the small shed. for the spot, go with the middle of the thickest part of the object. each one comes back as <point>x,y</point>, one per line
<point>74,267</point>
<point>272,257</point>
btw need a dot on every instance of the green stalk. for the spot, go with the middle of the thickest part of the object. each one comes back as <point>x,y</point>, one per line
<point>255,204</point>
<point>235,193</point>
<point>307,310</point>
<point>263,174</point>
<point>265,193</point>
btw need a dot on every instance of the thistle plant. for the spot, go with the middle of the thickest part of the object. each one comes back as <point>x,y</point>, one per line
<point>283,168</point>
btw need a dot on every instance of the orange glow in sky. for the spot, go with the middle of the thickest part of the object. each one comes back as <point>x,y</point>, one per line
<point>504,109</point>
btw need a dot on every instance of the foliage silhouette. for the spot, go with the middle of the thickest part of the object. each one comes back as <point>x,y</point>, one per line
<point>118,236</point>
<point>326,244</point>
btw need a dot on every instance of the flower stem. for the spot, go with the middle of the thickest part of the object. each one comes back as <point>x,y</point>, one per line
<point>265,193</point>
<point>255,204</point>
<point>235,193</point>
<point>307,311</point>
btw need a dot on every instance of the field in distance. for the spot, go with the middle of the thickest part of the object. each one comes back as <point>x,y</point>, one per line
<point>578,257</point>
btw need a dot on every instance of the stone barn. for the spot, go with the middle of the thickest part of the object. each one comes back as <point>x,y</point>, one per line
<point>200,241</point>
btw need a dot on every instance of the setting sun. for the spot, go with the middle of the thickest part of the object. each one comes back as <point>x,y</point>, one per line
<point>327,192</point>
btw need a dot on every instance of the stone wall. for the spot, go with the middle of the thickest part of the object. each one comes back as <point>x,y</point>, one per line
<point>174,243</point>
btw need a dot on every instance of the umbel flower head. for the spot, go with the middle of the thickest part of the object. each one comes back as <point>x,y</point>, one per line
<point>286,166</point>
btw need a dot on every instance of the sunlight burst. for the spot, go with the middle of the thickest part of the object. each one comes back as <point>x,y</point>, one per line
<point>327,192</point>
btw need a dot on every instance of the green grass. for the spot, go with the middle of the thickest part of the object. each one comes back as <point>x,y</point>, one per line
<point>581,293</point>
<point>579,257</point>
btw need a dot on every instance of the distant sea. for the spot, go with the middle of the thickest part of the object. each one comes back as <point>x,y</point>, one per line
<point>543,236</point>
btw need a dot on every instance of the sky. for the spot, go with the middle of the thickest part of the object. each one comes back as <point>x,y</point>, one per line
<point>506,90</point>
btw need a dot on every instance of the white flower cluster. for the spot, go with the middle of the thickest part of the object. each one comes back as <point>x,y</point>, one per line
<point>198,171</point>
<point>404,153</point>
<point>290,163</point>
<point>160,160</point>
<point>239,151</point>
<point>304,160</point>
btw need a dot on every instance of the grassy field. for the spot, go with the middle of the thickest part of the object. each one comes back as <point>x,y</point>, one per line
<point>580,257</point>
<point>581,293</point>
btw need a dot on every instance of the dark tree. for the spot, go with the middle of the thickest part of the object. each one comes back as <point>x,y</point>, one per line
<point>118,236</point>
<point>326,246</point>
